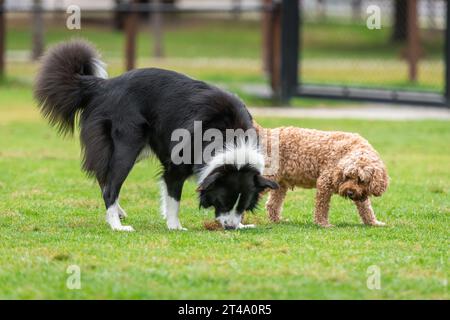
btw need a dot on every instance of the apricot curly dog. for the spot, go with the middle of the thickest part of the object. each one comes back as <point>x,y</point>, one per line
<point>333,162</point>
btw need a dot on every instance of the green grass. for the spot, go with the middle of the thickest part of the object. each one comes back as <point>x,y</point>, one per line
<point>333,52</point>
<point>52,216</point>
<point>189,38</point>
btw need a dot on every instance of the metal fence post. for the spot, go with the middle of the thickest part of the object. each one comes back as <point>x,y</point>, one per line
<point>289,48</point>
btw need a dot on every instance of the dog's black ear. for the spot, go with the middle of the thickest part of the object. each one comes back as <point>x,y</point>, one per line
<point>208,181</point>
<point>263,183</point>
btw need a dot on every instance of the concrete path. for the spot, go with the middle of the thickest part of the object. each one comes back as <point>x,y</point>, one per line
<point>367,111</point>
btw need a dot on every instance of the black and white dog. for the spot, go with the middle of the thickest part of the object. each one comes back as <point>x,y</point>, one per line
<point>122,117</point>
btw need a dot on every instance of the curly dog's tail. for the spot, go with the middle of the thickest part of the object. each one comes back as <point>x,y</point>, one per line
<point>70,75</point>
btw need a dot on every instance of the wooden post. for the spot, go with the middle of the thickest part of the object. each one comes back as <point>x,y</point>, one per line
<point>275,50</point>
<point>266,36</point>
<point>38,30</point>
<point>400,27</point>
<point>447,55</point>
<point>237,7</point>
<point>156,18</point>
<point>119,16</point>
<point>356,10</point>
<point>283,49</point>
<point>413,40</point>
<point>131,23</point>
<point>290,21</point>
<point>2,38</point>
<point>321,11</point>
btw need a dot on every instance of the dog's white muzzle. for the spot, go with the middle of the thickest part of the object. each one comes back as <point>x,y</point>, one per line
<point>230,220</point>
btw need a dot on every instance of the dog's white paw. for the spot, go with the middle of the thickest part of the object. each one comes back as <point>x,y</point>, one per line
<point>324,224</point>
<point>379,224</point>
<point>179,228</point>
<point>123,228</point>
<point>122,213</point>
<point>113,218</point>
<point>246,226</point>
<point>175,226</point>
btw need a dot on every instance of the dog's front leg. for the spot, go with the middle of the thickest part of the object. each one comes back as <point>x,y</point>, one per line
<point>323,197</point>
<point>171,188</point>
<point>274,204</point>
<point>366,213</point>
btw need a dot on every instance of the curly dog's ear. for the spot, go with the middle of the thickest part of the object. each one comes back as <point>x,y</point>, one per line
<point>365,174</point>
<point>350,171</point>
<point>349,167</point>
<point>379,181</point>
<point>340,172</point>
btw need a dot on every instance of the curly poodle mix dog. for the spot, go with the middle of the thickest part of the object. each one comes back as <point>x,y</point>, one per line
<point>334,163</point>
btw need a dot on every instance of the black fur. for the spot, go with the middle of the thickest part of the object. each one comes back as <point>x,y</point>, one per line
<point>122,115</point>
<point>66,83</point>
<point>222,187</point>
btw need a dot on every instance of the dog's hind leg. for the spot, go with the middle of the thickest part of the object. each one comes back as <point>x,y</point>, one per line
<point>122,213</point>
<point>120,165</point>
<point>274,204</point>
<point>366,213</point>
<point>110,151</point>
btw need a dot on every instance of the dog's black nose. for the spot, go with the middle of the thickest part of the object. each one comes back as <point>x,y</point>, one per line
<point>350,193</point>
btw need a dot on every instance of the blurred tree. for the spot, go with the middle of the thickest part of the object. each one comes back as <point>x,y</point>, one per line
<point>431,14</point>
<point>413,51</point>
<point>321,12</point>
<point>157,28</point>
<point>356,10</point>
<point>237,4</point>
<point>2,38</point>
<point>119,17</point>
<point>131,28</point>
<point>400,20</point>
<point>38,30</point>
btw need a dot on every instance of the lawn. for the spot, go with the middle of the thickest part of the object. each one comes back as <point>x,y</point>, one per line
<point>332,52</point>
<point>52,217</point>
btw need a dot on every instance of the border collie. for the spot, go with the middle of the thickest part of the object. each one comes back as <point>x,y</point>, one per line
<point>121,117</point>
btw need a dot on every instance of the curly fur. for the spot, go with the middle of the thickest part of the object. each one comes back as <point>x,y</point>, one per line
<point>334,163</point>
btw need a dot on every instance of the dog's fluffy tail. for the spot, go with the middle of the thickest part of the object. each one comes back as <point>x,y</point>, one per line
<point>69,77</point>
